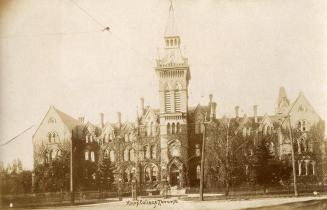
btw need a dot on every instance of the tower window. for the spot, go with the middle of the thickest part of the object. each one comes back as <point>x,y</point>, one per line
<point>177,101</point>
<point>167,101</point>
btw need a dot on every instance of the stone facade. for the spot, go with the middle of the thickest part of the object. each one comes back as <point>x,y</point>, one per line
<point>165,144</point>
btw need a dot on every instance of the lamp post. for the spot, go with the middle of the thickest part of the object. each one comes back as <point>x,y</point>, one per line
<point>293,158</point>
<point>119,189</point>
<point>72,198</point>
<point>134,187</point>
<point>202,158</point>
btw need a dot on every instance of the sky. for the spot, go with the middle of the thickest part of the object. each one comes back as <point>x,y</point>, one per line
<point>55,52</point>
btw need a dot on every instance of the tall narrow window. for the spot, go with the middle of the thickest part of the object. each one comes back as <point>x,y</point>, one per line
<point>131,154</point>
<point>178,128</point>
<point>167,101</point>
<point>168,128</point>
<point>86,155</point>
<point>92,156</point>
<point>153,152</point>
<point>126,155</point>
<point>154,173</point>
<point>177,101</point>
<point>112,156</point>
<point>173,128</point>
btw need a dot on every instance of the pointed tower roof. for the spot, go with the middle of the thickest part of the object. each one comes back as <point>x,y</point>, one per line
<point>282,96</point>
<point>171,29</point>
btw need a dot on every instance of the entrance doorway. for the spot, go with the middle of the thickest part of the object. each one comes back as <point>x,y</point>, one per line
<point>174,175</point>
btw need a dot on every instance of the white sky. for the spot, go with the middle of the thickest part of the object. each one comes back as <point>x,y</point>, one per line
<point>241,51</point>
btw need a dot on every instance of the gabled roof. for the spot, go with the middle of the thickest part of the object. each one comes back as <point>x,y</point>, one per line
<point>69,121</point>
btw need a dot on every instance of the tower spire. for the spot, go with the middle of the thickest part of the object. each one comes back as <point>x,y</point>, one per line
<point>171,29</point>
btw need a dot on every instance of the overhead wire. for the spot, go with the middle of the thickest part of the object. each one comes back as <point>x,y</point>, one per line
<point>14,138</point>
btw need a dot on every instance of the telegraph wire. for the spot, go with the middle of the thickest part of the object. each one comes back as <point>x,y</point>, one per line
<point>46,34</point>
<point>14,138</point>
<point>108,29</point>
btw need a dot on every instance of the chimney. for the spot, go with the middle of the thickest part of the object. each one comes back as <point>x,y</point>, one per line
<point>81,119</point>
<point>237,108</point>
<point>101,123</point>
<point>119,117</point>
<point>210,98</point>
<point>141,107</point>
<point>255,113</point>
<point>213,111</point>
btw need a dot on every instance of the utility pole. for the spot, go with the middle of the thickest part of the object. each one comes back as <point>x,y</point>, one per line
<point>293,158</point>
<point>72,198</point>
<point>202,159</point>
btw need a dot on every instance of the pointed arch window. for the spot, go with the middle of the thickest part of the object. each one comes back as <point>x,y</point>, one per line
<point>112,156</point>
<point>131,154</point>
<point>86,153</point>
<point>178,128</point>
<point>153,152</point>
<point>147,174</point>
<point>168,128</point>
<point>126,155</point>
<point>154,173</point>
<point>49,137</point>
<point>146,151</point>
<point>173,128</point>
<point>92,156</point>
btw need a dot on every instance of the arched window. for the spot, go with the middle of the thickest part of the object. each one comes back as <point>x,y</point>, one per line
<point>173,128</point>
<point>146,152</point>
<point>126,175</point>
<point>244,132</point>
<point>126,155</point>
<point>147,174</point>
<point>112,156</point>
<point>110,136</point>
<point>87,139</point>
<point>92,156</point>
<point>50,155</point>
<point>106,153</point>
<point>49,137</point>
<point>131,137</point>
<point>131,154</point>
<point>154,173</point>
<point>91,138</point>
<point>86,155</point>
<point>53,155</point>
<point>272,148</point>
<point>153,152</point>
<point>58,153</point>
<point>178,128</point>
<point>198,172</point>
<point>168,128</point>
<point>54,137</point>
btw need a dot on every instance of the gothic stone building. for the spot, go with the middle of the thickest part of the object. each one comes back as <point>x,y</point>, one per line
<point>165,143</point>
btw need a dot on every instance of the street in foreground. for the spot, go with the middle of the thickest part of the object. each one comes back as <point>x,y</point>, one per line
<point>300,203</point>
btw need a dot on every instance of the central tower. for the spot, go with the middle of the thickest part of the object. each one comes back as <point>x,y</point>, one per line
<point>173,74</point>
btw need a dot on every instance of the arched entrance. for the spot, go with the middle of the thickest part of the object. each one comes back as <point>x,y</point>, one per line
<point>174,175</point>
